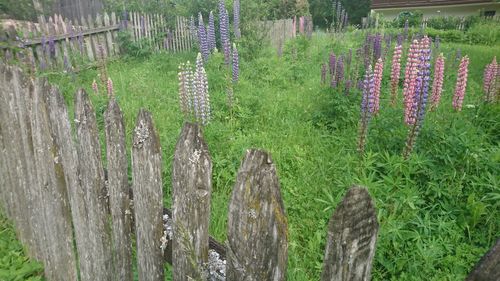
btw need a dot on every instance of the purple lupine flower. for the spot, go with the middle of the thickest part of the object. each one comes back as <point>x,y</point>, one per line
<point>437,85</point>
<point>323,73</point>
<point>420,94</point>
<point>333,66</point>
<point>236,23</point>
<point>211,32</point>
<point>52,47</point>
<point>388,42</point>
<point>227,52</point>
<point>367,49</point>
<point>406,30</point>
<point>377,77</point>
<point>236,65</point>
<point>366,108</point>
<point>377,47</point>
<point>224,32</point>
<point>400,39</point>
<point>490,82</point>
<point>339,75</point>
<point>359,84</point>
<point>202,38</point>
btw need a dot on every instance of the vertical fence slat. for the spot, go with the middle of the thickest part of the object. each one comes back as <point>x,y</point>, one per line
<point>62,133</point>
<point>191,194</point>
<point>352,234</point>
<point>257,225</point>
<point>488,268</point>
<point>148,198</point>
<point>109,38</point>
<point>60,262</point>
<point>102,46</point>
<point>118,187</point>
<point>114,33</point>
<point>91,52</point>
<point>92,180</point>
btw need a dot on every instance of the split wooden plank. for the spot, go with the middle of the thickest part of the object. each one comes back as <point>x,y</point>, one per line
<point>89,45</point>
<point>118,187</point>
<point>91,175</point>
<point>109,37</point>
<point>114,33</point>
<point>148,198</point>
<point>352,234</point>
<point>102,44</point>
<point>191,195</point>
<point>257,225</point>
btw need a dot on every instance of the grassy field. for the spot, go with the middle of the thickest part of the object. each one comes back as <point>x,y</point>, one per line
<point>438,210</point>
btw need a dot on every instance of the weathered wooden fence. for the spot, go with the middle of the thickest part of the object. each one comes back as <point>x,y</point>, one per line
<point>279,31</point>
<point>78,219</point>
<point>57,43</point>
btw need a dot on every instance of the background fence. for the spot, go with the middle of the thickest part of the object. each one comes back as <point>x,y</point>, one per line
<point>56,191</point>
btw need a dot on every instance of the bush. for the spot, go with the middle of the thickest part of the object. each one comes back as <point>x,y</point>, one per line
<point>486,33</point>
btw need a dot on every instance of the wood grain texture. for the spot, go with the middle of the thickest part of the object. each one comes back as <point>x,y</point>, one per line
<point>91,177</point>
<point>352,234</point>
<point>191,194</point>
<point>488,268</point>
<point>148,197</point>
<point>118,187</point>
<point>257,225</point>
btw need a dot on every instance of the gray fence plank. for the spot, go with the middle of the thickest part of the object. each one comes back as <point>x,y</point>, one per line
<point>92,180</point>
<point>55,214</point>
<point>257,225</point>
<point>148,198</point>
<point>118,187</point>
<point>352,234</point>
<point>488,268</point>
<point>191,194</point>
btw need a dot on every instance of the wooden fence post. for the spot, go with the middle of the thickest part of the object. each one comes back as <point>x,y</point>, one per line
<point>91,175</point>
<point>148,197</point>
<point>118,188</point>
<point>352,233</point>
<point>191,192</point>
<point>488,268</point>
<point>257,225</point>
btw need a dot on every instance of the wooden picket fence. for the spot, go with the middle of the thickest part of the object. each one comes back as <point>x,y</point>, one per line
<point>61,44</point>
<point>280,31</point>
<point>77,218</point>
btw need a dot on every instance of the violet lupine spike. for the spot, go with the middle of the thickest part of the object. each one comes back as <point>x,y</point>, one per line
<point>183,90</point>
<point>491,81</point>
<point>95,88</point>
<point>461,85</point>
<point>323,73</point>
<point>236,65</point>
<point>202,38</point>
<point>227,52</point>
<point>333,65</point>
<point>236,20</point>
<point>367,50</point>
<point>339,71</point>
<point>388,43</point>
<point>223,26</point>
<point>377,47</point>
<point>420,94</point>
<point>366,108</point>
<point>211,32</point>
<point>437,85</point>
<point>400,39</point>
<point>377,78</point>
<point>395,73</point>
<point>109,87</point>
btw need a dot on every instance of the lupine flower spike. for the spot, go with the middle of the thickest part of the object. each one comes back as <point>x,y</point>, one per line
<point>437,85</point>
<point>202,38</point>
<point>458,98</point>
<point>236,65</point>
<point>377,77</point>
<point>410,80</point>
<point>95,88</point>
<point>109,85</point>
<point>202,113</point>
<point>491,81</point>
<point>323,73</point>
<point>211,32</point>
<point>395,73</point>
<point>366,108</point>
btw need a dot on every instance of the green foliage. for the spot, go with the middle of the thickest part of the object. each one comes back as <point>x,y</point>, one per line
<point>14,265</point>
<point>21,9</point>
<point>129,47</point>
<point>414,19</point>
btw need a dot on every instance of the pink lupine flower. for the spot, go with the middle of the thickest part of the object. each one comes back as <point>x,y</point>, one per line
<point>458,98</point>
<point>95,88</point>
<point>110,87</point>
<point>395,72</point>
<point>410,79</point>
<point>378,72</point>
<point>437,85</point>
<point>490,83</point>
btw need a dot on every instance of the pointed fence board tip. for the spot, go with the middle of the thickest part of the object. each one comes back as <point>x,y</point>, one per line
<point>352,234</point>
<point>257,246</point>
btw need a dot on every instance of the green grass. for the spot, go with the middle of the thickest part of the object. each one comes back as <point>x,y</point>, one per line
<point>438,210</point>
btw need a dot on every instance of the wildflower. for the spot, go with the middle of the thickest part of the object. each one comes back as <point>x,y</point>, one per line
<point>109,85</point>
<point>185,89</point>
<point>437,85</point>
<point>333,65</point>
<point>52,47</point>
<point>378,72</point>
<point>410,79</point>
<point>94,87</point>
<point>366,108</point>
<point>202,112</point>
<point>211,32</point>
<point>377,47</point>
<point>202,38</point>
<point>224,31</point>
<point>491,81</point>
<point>458,98</point>
<point>236,68</point>
<point>395,72</point>
<point>339,72</point>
